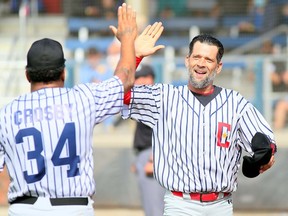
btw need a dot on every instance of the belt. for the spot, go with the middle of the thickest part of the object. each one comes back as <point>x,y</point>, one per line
<point>203,197</point>
<point>54,201</point>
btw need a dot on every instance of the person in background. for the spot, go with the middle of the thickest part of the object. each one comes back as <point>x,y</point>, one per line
<point>102,8</point>
<point>279,79</point>
<point>278,73</point>
<point>16,4</point>
<point>264,16</point>
<point>171,8</point>
<point>280,114</point>
<point>113,53</point>
<point>95,69</point>
<point>152,194</point>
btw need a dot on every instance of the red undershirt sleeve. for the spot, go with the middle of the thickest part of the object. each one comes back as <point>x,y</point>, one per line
<point>138,60</point>
<point>127,96</point>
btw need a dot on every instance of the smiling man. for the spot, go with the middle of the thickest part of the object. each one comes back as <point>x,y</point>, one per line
<point>199,132</point>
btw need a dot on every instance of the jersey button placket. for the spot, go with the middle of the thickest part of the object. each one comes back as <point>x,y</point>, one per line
<point>203,123</point>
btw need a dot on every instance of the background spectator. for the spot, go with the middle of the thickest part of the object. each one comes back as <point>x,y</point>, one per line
<point>280,114</point>
<point>172,8</point>
<point>95,69</point>
<point>15,5</point>
<point>264,15</point>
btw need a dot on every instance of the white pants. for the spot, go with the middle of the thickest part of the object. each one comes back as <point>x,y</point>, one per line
<point>43,207</point>
<point>175,205</point>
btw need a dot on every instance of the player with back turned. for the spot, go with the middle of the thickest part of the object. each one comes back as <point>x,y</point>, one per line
<point>199,133</point>
<point>46,135</point>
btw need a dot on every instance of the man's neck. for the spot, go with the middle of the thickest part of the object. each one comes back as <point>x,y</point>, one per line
<point>202,91</point>
<point>40,85</point>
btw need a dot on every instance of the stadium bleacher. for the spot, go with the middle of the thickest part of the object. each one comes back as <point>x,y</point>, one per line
<point>176,33</point>
<point>93,24</point>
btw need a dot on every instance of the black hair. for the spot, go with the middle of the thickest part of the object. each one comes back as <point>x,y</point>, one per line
<point>44,75</point>
<point>208,39</point>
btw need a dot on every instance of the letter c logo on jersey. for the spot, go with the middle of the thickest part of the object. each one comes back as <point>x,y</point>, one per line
<point>224,130</point>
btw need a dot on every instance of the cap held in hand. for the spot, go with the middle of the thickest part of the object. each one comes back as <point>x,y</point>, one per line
<point>262,149</point>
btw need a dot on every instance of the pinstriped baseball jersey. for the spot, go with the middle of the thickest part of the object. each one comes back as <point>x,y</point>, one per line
<point>48,136</point>
<point>196,148</point>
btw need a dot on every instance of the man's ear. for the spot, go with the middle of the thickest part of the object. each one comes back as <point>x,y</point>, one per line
<point>27,76</point>
<point>63,75</point>
<point>219,68</point>
<point>187,61</point>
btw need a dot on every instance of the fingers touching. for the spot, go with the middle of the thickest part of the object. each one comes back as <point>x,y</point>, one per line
<point>145,42</point>
<point>155,30</point>
<point>126,22</point>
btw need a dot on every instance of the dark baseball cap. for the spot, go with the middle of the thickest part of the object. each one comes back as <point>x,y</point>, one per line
<point>144,70</point>
<point>261,146</point>
<point>45,54</point>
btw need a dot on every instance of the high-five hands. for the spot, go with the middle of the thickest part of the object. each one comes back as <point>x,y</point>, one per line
<point>127,26</point>
<point>126,33</point>
<point>145,42</point>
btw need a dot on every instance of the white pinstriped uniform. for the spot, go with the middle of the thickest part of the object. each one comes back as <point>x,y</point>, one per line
<point>48,136</point>
<point>196,148</point>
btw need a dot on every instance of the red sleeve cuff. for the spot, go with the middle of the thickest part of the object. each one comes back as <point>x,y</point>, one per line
<point>138,60</point>
<point>127,98</point>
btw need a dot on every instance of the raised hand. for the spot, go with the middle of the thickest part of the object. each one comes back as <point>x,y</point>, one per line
<point>127,26</point>
<point>126,34</point>
<point>145,42</point>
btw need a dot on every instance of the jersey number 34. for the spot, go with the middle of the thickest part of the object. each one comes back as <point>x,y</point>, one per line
<point>67,136</point>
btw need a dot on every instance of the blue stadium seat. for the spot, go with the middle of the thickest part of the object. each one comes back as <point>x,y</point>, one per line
<point>100,43</point>
<point>93,24</point>
<point>171,36</point>
<point>185,23</point>
<point>229,21</point>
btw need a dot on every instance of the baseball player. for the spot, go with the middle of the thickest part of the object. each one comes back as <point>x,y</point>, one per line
<point>46,135</point>
<point>199,132</point>
<point>153,205</point>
